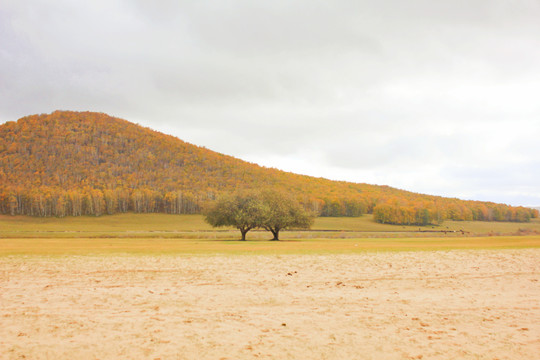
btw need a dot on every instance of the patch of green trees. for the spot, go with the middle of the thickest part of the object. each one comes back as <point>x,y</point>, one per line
<point>271,210</point>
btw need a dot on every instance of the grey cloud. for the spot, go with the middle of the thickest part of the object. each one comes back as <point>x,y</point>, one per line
<point>389,92</point>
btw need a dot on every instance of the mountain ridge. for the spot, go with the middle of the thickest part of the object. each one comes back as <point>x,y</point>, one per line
<point>88,163</point>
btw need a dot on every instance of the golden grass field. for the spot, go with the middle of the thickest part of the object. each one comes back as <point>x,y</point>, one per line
<point>163,225</point>
<point>169,287</point>
<point>167,222</point>
<point>189,234</point>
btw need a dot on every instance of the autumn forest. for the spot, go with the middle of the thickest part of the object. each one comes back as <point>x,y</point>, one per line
<point>85,163</point>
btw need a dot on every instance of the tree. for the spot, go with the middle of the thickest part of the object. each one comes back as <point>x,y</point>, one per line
<point>242,210</point>
<point>281,212</point>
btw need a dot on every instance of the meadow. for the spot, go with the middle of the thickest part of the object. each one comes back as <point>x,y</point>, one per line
<point>189,234</point>
<point>163,225</point>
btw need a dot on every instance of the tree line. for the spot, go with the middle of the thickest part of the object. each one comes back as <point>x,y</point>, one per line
<point>45,201</point>
<point>386,213</point>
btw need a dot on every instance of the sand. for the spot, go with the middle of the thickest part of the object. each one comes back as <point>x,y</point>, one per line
<point>459,304</point>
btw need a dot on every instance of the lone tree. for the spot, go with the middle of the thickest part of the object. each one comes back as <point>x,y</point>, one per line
<point>281,212</point>
<point>242,210</point>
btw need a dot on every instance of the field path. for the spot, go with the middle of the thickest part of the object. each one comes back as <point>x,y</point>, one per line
<point>482,304</point>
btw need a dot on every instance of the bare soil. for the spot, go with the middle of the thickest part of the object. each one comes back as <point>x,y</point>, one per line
<point>459,304</point>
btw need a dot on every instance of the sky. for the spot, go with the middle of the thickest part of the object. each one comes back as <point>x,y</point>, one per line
<point>435,97</point>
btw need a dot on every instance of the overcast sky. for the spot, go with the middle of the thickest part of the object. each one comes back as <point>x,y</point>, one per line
<point>437,97</point>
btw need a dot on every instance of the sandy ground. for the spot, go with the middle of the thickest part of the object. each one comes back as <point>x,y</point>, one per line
<point>405,305</point>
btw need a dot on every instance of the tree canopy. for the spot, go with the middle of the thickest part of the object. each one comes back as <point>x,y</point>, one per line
<point>242,210</point>
<point>282,212</point>
<point>271,210</point>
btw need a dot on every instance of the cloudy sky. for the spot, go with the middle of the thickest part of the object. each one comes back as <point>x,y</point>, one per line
<point>437,97</point>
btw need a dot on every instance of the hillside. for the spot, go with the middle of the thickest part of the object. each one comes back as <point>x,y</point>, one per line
<point>84,163</point>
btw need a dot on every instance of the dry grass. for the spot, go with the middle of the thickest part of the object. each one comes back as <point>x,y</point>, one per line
<point>366,223</point>
<point>177,246</point>
<point>193,226</point>
<point>189,234</point>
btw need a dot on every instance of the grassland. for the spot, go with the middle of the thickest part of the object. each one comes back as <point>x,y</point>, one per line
<point>163,225</point>
<point>144,246</point>
<point>189,234</point>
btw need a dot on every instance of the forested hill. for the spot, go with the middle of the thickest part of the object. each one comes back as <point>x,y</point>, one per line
<point>85,163</point>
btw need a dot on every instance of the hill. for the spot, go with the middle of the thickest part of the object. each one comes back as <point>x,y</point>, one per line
<point>85,163</point>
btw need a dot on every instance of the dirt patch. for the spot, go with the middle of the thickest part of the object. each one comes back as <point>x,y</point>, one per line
<point>481,304</point>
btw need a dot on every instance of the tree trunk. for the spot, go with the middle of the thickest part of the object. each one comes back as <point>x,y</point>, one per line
<point>276,235</point>
<point>243,232</point>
